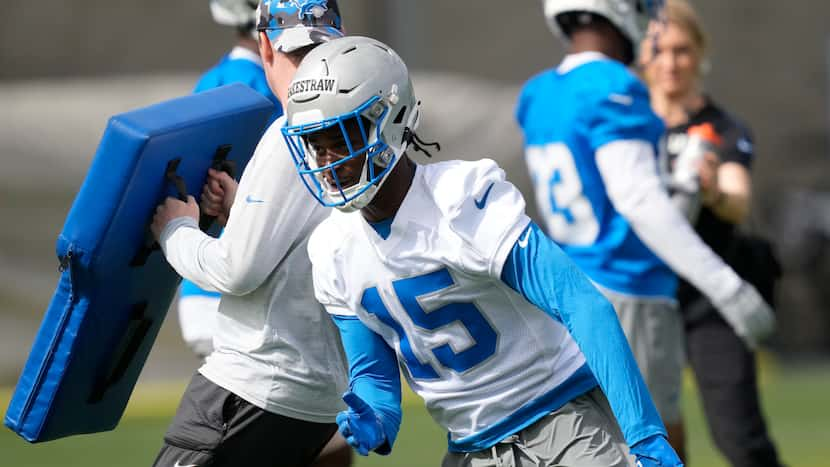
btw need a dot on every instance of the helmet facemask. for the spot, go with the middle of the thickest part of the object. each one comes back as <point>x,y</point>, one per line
<point>353,135</point>
<point>353,98</point>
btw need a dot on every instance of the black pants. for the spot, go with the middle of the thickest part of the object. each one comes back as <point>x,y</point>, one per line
<point>213,427</point>
<point>725,371</point>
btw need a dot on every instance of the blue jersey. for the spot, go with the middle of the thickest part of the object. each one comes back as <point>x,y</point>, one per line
<point>239,66</point>
<point>566,117</point>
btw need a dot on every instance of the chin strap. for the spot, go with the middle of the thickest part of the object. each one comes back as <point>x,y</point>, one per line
<point>417,143</point>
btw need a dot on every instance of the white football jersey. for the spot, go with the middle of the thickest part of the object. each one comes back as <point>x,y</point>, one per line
<point>474,349</point>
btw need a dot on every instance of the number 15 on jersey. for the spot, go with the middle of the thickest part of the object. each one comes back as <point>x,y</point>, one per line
<point>483,338</point>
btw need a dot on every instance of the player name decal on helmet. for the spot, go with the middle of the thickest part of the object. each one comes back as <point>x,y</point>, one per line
<point>317,86</point>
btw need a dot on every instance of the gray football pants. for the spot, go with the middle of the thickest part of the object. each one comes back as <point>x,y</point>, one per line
<point>582,433</point>
<point>654,329</point>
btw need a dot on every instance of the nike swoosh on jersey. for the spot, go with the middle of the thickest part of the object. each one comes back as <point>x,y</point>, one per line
<point>621,99</point>
<point>480,203</point>
<point>250,200</point>
<point>524,240</point>
<point>188,465</point>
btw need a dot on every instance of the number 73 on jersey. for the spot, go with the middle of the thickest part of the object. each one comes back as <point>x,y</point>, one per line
<point>568,214</point>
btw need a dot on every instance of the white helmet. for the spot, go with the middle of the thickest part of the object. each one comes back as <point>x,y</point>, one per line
<point>630,17</point>
<point>348,80</point>
<point>238,13</point>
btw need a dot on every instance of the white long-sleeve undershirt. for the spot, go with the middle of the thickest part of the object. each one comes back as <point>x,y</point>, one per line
<point>628,169</point>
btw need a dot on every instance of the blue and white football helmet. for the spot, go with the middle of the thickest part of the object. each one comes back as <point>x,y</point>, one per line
<point>630,17</point>
<point>293,24</point>
<point>352,81</point>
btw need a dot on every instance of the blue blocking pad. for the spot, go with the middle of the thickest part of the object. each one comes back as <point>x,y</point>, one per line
<point>115,286</point>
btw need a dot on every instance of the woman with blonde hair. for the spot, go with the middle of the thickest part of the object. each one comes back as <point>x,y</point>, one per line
<point>707,155</point>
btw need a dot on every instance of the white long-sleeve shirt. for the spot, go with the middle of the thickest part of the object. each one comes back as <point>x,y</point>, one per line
<point>629,171</point>
<point>275,346</point>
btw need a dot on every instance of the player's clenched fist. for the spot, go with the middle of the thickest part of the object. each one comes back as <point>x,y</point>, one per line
<point>360,425</point>
<point>218,194</point>
<point>655,451</point>
<point>170,209</point>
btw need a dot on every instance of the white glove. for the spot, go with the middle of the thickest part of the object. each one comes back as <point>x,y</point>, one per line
<point>748,314</point>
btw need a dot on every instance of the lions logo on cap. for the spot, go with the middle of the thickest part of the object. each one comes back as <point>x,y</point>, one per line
<point>315,8</point>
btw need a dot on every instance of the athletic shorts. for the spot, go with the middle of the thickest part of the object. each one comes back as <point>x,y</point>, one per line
<point>654,328</point>
<point>213,427</point>
<point>582,433</point>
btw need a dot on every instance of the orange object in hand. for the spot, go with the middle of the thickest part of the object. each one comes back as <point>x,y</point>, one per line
<point>706,132</point>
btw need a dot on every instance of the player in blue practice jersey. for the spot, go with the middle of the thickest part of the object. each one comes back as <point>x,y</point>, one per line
<point>442,273</point>
<point>197,307</point>
<point>590,138</point>
<point>243,63</point>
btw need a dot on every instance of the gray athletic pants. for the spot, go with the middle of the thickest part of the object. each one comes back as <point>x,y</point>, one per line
<point>214,427</point>
<point>582,433</point>
<point>654,328</point>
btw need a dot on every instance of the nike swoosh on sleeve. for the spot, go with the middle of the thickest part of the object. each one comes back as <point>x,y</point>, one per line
<point>480,203</point>
<point>523,241</point>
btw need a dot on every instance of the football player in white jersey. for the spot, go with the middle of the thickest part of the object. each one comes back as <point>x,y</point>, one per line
<point>269,392</point>
<point>437,270</point>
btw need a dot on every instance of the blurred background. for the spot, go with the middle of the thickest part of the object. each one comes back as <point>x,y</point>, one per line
<point>65,67</point>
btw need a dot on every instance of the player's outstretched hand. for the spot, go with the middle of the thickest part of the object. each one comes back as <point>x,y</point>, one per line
<point>170,209</point>
<point>360,425</point>
<point>218,194</point>
<point>748,314</point>
<point>655,451</point>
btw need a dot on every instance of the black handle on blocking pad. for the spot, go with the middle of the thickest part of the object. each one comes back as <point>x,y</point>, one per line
<point>150,244</point>
<point>137,329</point>
<point>221,163</point>
<point>172,177</point>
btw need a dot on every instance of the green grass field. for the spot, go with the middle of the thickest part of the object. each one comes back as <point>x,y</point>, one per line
<point>796,402</point>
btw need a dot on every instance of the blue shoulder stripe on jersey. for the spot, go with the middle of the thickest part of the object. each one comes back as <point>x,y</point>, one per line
<point>580,382</point>
<point>373,374</point>
<point>189,289</point>
<point>544,275</point>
